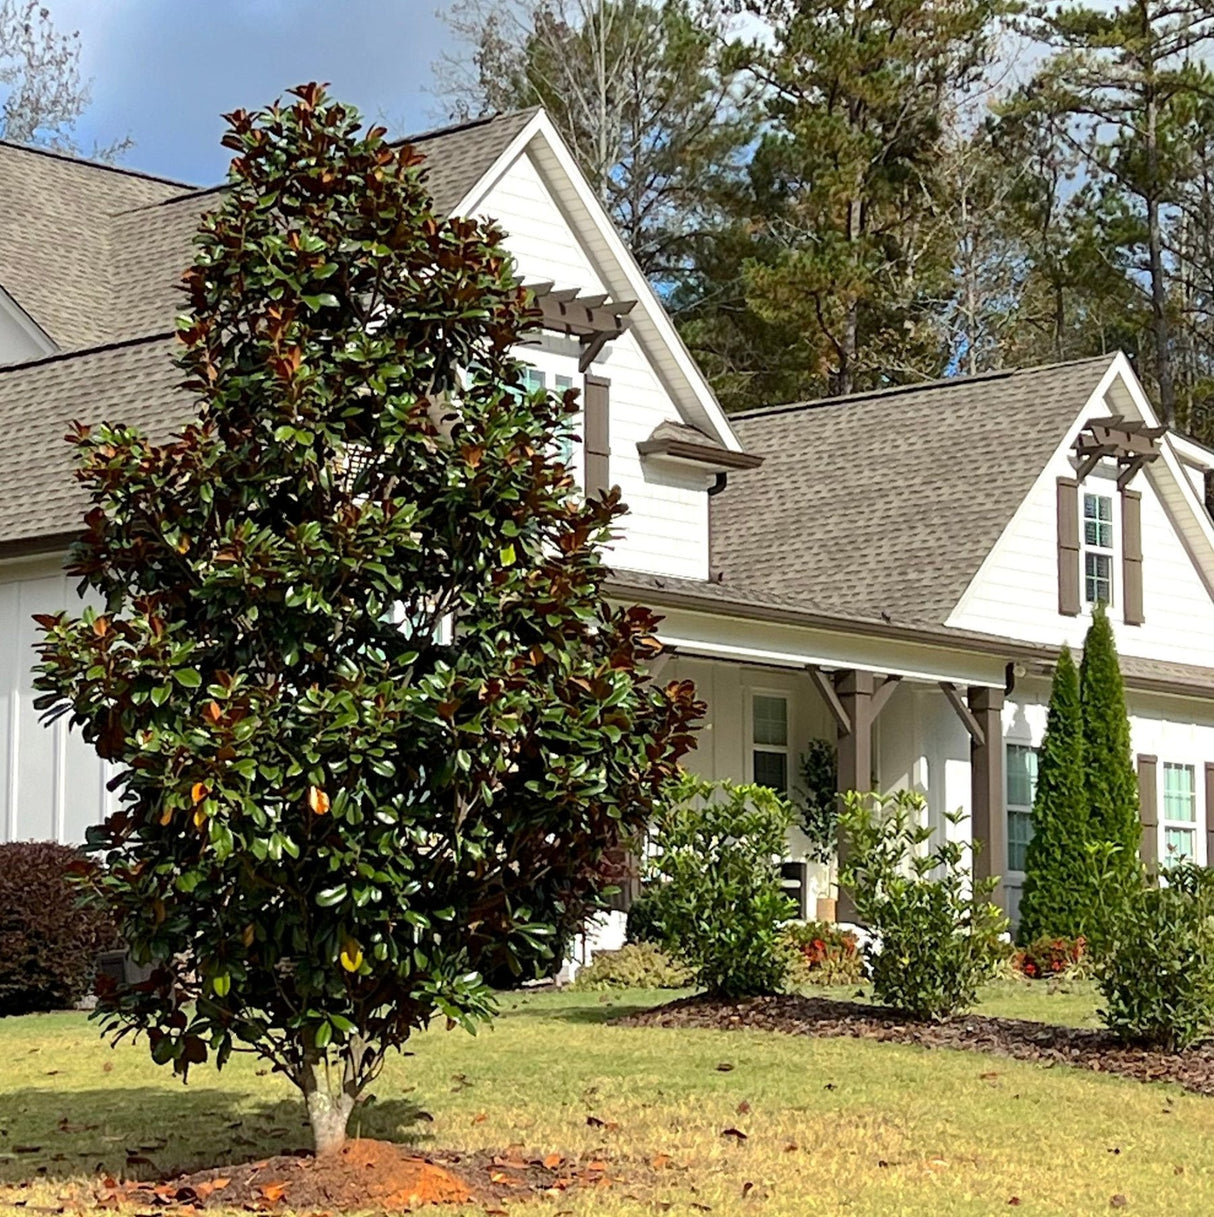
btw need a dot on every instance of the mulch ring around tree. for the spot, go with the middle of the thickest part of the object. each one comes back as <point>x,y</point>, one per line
<point>1043,1043</point>
<point>365,1175</point>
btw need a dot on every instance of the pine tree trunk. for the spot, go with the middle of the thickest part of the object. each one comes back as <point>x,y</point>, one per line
<point>1159,300</point>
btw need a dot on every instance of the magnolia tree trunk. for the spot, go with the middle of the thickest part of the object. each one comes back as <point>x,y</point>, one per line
<point>330,1090</point>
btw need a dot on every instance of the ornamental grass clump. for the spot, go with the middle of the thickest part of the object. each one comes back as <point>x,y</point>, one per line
<point>936,934</point>
<point>376,727</point>
<point>715,884</point>
<point>1157,975</point>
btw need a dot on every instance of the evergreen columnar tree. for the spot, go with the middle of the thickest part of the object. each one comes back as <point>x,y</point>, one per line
<point>1056,899</point>
<point>1109,781</point>
<point>337,808</point>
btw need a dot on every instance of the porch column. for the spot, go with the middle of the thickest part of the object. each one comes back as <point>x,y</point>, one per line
<point>855,764</point>
<point>987,819</point>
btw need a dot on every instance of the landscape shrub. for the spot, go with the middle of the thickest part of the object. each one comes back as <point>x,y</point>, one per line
<point>50,934</point>
<point>1157,977</point>
<point>642,925</point>
<point>824,954</point>
<point>1047,957</point>
<point>936,934</point>
<point>637,965</point>
<point>716,884</point>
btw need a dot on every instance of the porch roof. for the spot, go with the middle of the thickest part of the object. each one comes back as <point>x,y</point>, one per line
<point>760,606</point>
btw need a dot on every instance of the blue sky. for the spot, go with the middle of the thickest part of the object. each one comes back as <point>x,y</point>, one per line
<point>163,71</point>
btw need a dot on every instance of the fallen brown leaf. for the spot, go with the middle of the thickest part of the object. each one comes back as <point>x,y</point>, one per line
<point>736,1133</point>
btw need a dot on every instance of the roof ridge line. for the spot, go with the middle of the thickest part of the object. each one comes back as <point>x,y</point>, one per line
<point>466,125</point>
<point>72,158</point>
<point>79,352</point>
<point>897,390</point>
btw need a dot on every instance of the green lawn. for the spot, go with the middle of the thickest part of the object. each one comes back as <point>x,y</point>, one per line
<point>833,1126</point>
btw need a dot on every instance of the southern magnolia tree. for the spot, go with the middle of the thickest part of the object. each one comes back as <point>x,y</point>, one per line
<point>336,808</point>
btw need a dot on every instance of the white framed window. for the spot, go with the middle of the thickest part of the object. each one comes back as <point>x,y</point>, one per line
<point>1098,548</point>
<point>536,378</point>
<point>769,740</point>
<point>1021,774</point>
<point>1179,813</point>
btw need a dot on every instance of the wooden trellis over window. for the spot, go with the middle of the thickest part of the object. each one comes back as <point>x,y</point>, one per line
<point>1132,444</point>
<point>592,320</point>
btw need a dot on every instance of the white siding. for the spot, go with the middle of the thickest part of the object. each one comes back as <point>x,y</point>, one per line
<point>667,530</point>
<point>52,785</point>
<point>1015,594</point>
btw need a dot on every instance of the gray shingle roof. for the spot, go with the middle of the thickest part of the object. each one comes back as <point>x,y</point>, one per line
<point>884,505</point>
<point>94,253</point>
<point>133,382</point>
<point>55,237</point>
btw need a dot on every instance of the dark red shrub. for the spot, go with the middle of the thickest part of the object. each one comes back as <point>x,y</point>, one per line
<point>50,933</point>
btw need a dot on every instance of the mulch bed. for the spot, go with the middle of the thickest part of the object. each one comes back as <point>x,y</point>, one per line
<point>1043,1043</point>
<point>365,1175</point>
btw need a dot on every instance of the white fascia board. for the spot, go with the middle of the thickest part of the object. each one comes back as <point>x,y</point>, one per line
<point>782,645</point>
<point>652,313</point>
<point>1180,500</point>
<point>36,334</point>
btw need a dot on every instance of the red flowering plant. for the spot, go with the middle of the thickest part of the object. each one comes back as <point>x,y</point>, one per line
<point>824,954</point>
<point>1049,957</point>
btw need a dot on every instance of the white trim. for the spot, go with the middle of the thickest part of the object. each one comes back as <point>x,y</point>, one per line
<point>799,661</point>
<point>649,307</point>
<point>24,322</point>
<point>753,746</point>
<point>1197,769</point>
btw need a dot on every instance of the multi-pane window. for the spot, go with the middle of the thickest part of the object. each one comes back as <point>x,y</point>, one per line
<point>769,754</point>
<point>1179,812</point>
<point>1021,790</point>
<point>1098,548</point>
<point>535,379</point>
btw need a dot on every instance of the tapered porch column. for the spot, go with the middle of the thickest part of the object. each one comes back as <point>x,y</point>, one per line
<point>981,713</point>
<point>855,744</point>
<point>989,823</point>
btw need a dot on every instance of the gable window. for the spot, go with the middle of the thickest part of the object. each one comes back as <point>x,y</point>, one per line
<point>535,379</point>
<point>1021,791</point>
<point>1179,812</point>
<point>1098,548</point>
<point>769,734</point>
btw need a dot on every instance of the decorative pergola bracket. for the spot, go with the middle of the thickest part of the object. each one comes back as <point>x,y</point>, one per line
<point>594,320</point>
<point>1132,444</point>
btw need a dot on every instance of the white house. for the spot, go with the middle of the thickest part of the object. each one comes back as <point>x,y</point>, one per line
<point>893,571</point>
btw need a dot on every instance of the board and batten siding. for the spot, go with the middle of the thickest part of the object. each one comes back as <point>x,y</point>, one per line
<point>666,531</point>
<point>1015,593</point>
<point>52,784</point>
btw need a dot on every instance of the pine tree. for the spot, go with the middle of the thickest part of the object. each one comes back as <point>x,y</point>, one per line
<point>1055,897</point>
<point>1110,784</point>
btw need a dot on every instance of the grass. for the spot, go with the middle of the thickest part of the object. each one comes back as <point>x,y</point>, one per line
<point>833,1126</point>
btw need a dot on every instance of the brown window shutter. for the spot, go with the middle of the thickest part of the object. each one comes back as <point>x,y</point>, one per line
<point>596,403</point>
<point>1148,808</point>
<point>1068,547</point>
<point>1209,810</point>
<point>1131,555</point>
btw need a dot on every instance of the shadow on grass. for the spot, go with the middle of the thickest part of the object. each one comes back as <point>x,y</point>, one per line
<point>601,1012</point>
<point>146,1132</point>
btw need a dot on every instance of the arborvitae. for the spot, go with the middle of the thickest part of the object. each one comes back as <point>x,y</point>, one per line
<point>1110,783</point>
<point>1055,899</point>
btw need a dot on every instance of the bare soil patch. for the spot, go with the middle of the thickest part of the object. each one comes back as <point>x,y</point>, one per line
<point>365,1175</point>
<point>1043,1043</point>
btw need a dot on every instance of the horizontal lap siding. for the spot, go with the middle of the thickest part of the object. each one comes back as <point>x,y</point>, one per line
<point>1016,593</point>
<point>667,530</point>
